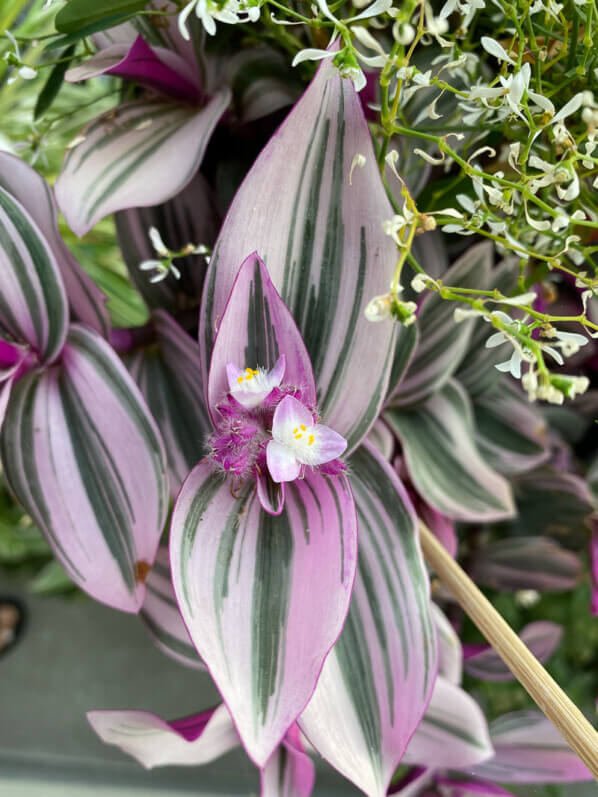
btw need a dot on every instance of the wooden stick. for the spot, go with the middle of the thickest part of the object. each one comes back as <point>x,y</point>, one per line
<point>544,690</point>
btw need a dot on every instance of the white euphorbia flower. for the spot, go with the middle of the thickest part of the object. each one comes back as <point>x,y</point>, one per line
<point>466,9</point>
<point>231,12</point>
<point>563,177</point>
<point>250,386</point>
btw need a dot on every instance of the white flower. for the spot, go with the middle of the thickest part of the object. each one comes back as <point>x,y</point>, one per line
<point>231,12</point>
<point>13,58</point>
<point>250,386</point>
<point>378,308</point>
<point>157,242</point>
<point>397,224</point>
<point>568,342</point>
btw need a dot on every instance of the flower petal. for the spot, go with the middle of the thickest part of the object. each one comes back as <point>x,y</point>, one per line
<point>84,457</point>
<point>154,742</point>
<point>282,463</point>
<point>264,598</point>
<point>323,245</point>
<point>256,329</point>
<point>377,681</point>
<point>139,154</point>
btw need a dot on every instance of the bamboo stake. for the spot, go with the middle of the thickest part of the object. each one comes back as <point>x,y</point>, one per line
<point>546,693</point>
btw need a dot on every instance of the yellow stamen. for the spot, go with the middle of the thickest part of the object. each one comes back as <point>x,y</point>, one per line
<point>303,427</point>
<point>311,440</point>
<point>248,377</point>
<point>298,436</point>
<point>240,379</point>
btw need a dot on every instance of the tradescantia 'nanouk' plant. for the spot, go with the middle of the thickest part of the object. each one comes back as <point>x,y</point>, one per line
<point>300,405</point>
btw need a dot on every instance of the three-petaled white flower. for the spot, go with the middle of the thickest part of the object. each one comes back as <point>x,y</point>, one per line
<point>298,440</point>
<point>250,386</point>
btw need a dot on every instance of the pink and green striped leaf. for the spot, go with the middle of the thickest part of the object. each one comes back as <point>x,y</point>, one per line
<point>450,652</point>
<point>290,772</point>
<point>87,301</point>
<point>510,434</point>
<point>455,787</point>
<point>256,330</point>
<point>443,461</point>
<point>442,342</point>
<point>162,618</point>
<point>541,637</point>
<point>84,457</point>
<point>139,154</point>
<point>324,248</point>
<point>529,749</point>
<point>264,597</point>
<point>152,741</point>
<point>33,302</point>
<point>550,502</point>
<point>188,218</point>
<point>169,376</point>
<point>538,563</point>
<point>453,733</point>
<point>377,681</point>
<point>156,69</point>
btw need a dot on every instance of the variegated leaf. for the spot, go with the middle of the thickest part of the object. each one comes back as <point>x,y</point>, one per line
<point>442,342</point>
<point>324,248</point>
<point>87,301</point>
<point>450,652</point>
<point>377,681</point>
<point>138,154</point>
<point>153,742</point>
<point>188,218</point>
<point>511,435</point>
<point>33,303</point>
<point>169,375</point>
<point>256,329</point>
<point>541,637</point>
<point>155,68</point>
<point>161,615</point>
<point>84,457</point>
<point>381,437</point>
<point>526,563</point>
<point>443,461</point>
<point>289,771</point>
<point>529,749</point>
<point>264,597</point>
<point>553,503</point>
<point>453,732</point>
<point>456,787</point>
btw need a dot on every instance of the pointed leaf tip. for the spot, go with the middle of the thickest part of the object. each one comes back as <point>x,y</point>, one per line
<point>256,330</point>
<point>327,253</point>
<point>377,681</point>
<point>264,597</point>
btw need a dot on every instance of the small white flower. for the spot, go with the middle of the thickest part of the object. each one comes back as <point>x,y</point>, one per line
<point>157,242</point>
<point>209,11</point>
<point>378,308</point>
